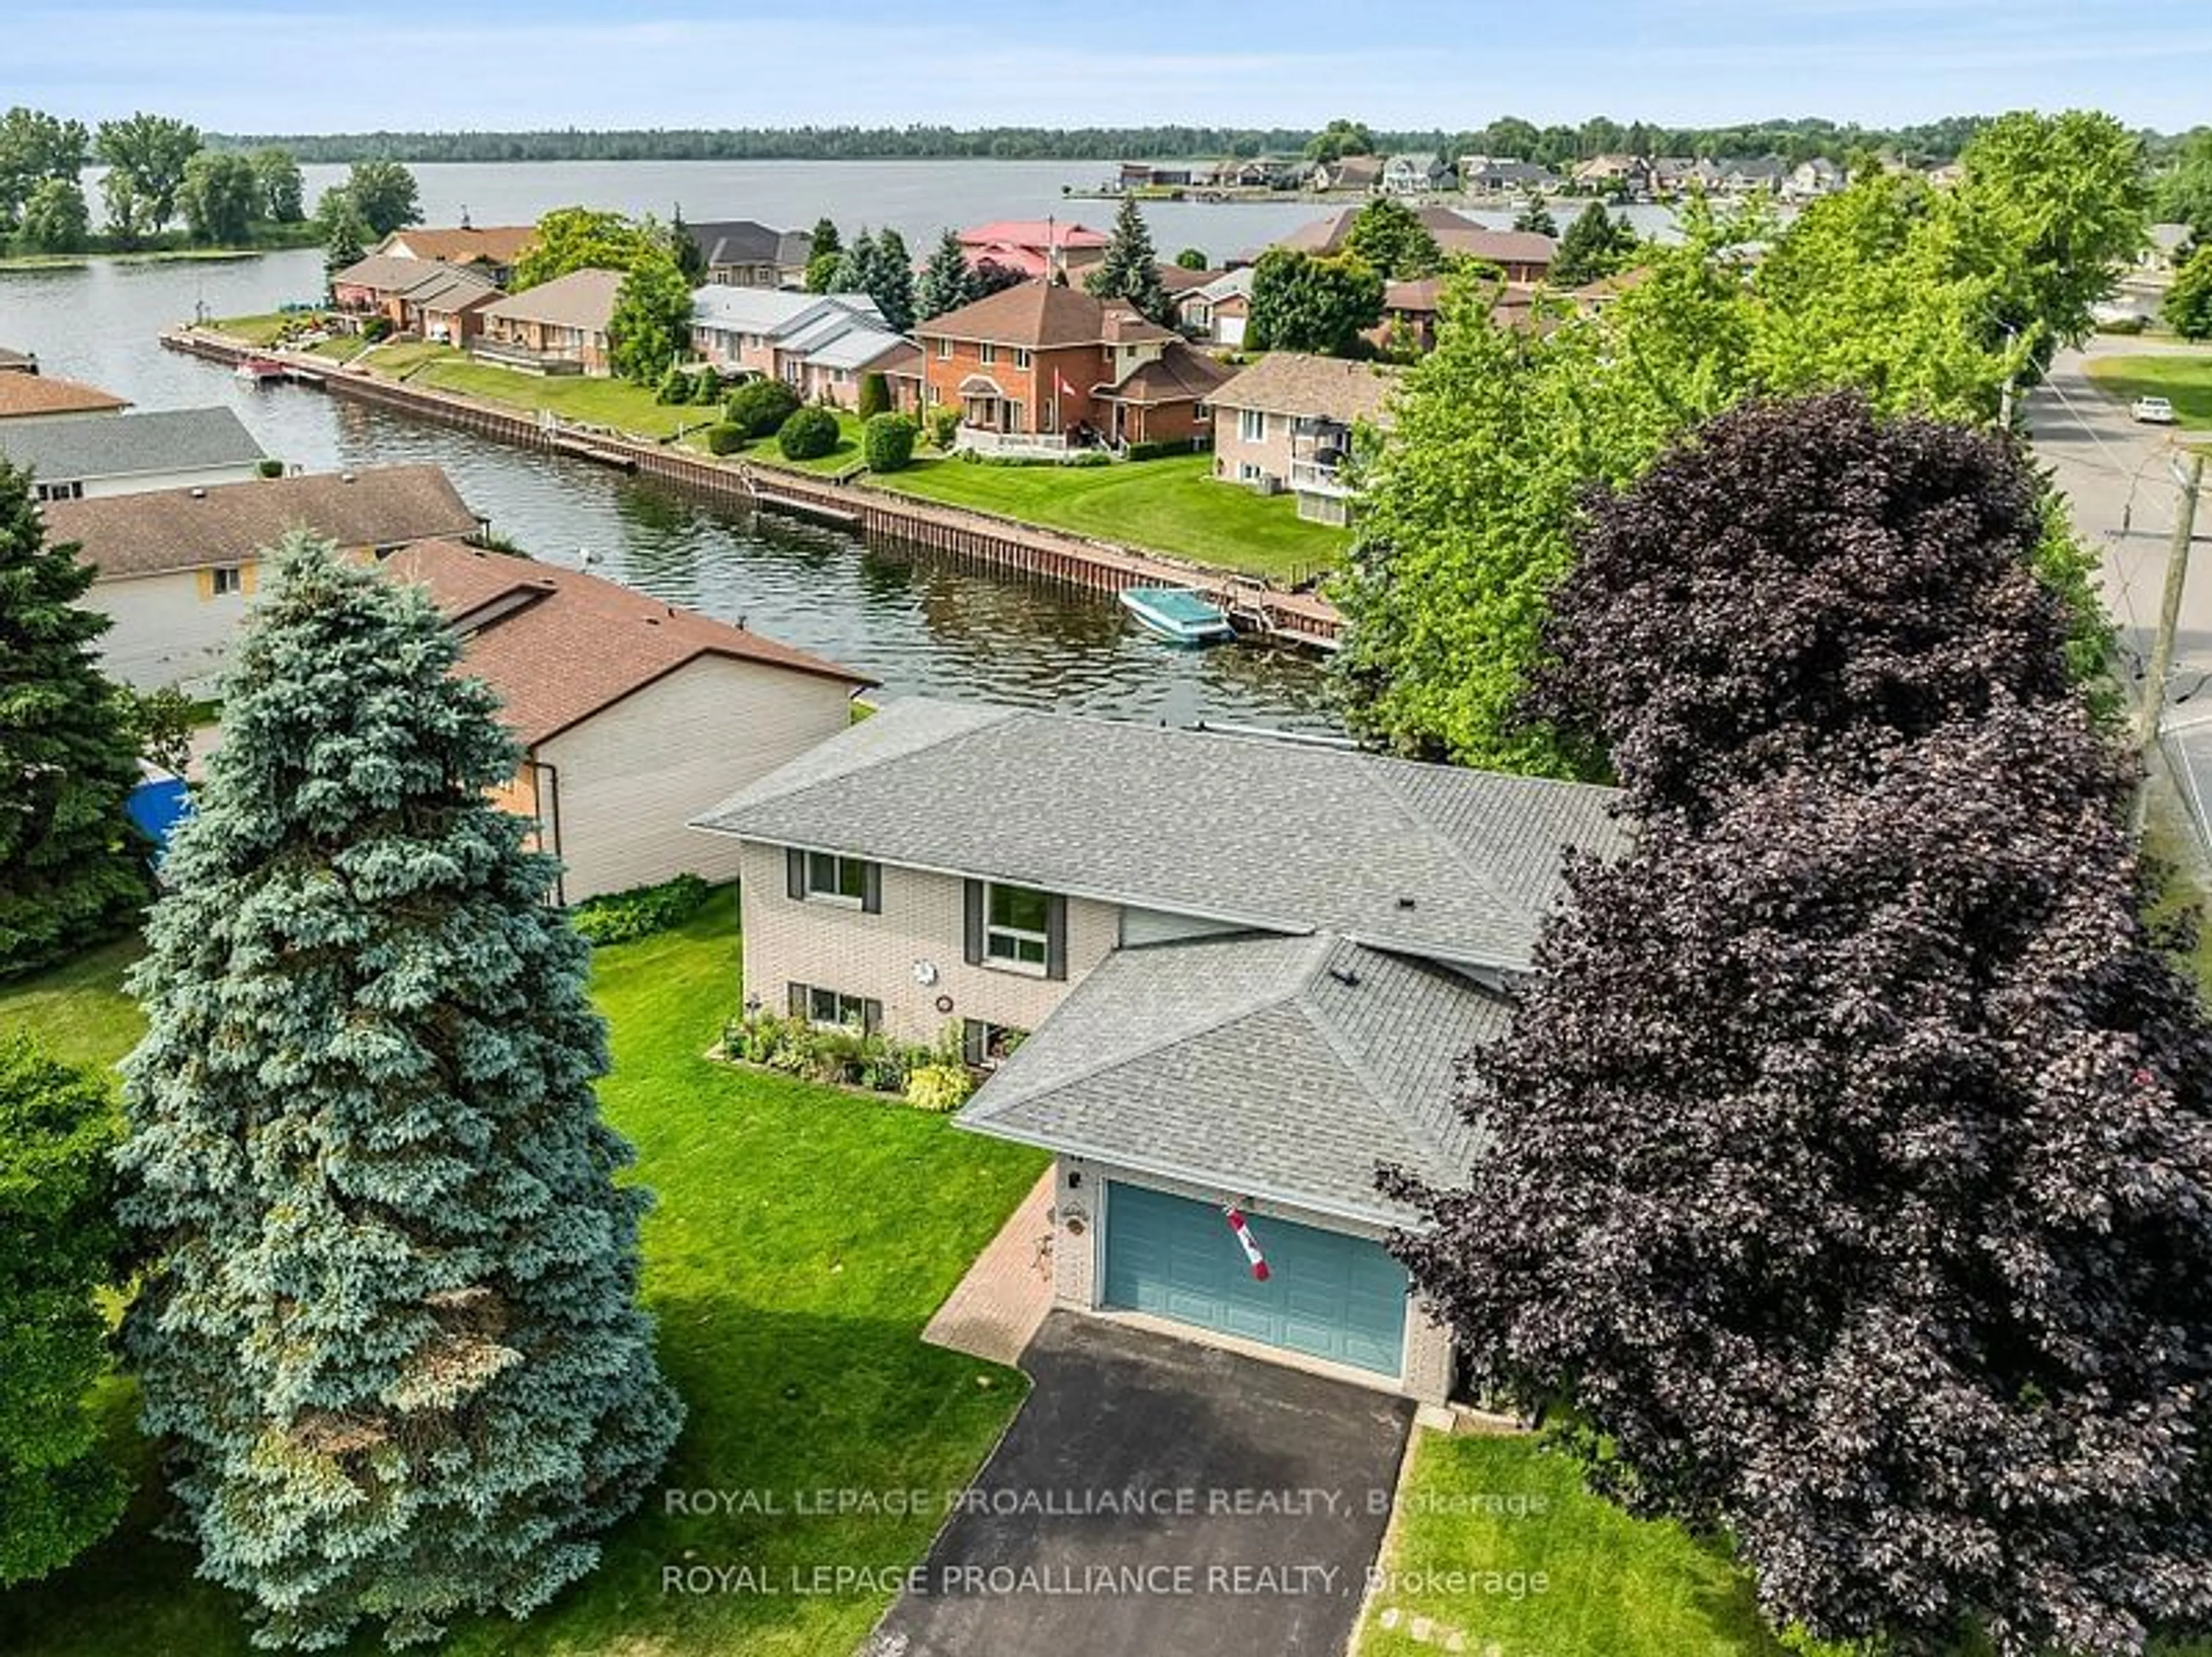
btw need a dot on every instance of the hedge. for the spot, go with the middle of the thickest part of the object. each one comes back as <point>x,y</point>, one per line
<point>619,917</point>
<point>725,439</point>
<point>887,442</point>
<point>759,407</point>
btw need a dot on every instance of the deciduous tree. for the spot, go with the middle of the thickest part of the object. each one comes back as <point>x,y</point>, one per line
<point>283,193</point>
<point>386,194</point>
<point>35,147</point>
<point>1597,245</point>
<point>571,239</point>
<point>71,869</point>
<point>2188,309</point>
<point>149,152</point>
<point>1305,303</point>
<point>55,219</point>
<point>1390,236</point>
<point>828,252</point>
<point>58,1491</point>
<point>221,196</point>
<point>650,325</point>
<point>388,1327</point>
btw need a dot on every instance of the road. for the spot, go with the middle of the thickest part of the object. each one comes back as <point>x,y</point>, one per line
<point>2119,477</point>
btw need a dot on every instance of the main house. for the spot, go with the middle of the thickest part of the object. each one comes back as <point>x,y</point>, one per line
<point>745,253</point>
<point>1203,970</point>
<point>822,345</point>
<point>557,327</point>
<point>176,570</point>
<point>633,716</point>
<point>1048,364</point>
<point>1286,423</point>
<point>95,455</point>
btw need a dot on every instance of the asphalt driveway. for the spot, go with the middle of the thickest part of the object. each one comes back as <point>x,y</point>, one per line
<point>1155,1498</point>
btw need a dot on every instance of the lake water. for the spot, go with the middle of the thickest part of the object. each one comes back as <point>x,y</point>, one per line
<point>917,623</point>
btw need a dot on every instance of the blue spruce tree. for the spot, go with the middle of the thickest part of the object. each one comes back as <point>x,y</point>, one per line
<point>389,1329</point>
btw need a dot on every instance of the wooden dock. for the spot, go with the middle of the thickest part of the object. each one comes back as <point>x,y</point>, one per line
<point>880,516</point>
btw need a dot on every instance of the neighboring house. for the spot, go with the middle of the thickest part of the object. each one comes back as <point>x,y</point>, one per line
<point>178,569</point>
<point>743,253</point>
<point>557,327</point>
<point>1167,175</point>
<point>1493,175</point>
<point>1415,175</point>
<point>372,286</point>
<point>1522,255</point>
<point>1217,313</point>
<point>1762,174</point>
<point>1943,177</point>
<point>1041,361</point>
<point>1680,175</point>
<point>1234,972</point>
<point>489,250</point>
<point>1175,281</point>
<point>1810,180</point>
<point>823,345</point>
<point>447,305</point>
<point>1361,173</point>
<point>1037,247</point>
<point>1266,173</point>
<point>1628,174</point>
<point>1409,313</point>
<point>1287,422</point>
<point>633,716</point>
<point>90,457</point>
<point>36,396</point>
<point>15,362</point>
<point>2161,254</point>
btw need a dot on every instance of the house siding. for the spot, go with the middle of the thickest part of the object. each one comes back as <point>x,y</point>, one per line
<point>627,780</point>
<point>789,941</point>
<point>1079,1225</point>
<point>1233,452</point>
<point>140,483</point>
<point>164,632</point>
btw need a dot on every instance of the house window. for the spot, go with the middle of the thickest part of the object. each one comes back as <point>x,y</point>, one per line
<point>1247,471</point>
<point>1021,357</point>
<point>833,1008</point>
<point>1252,425</point>
<point>228,578</point>
<point>823,877</point>
<point>71,490</point>
<point>945,350</point>
<point>987,353</point>
<point>985,1047</point>
<point>1014,922</point>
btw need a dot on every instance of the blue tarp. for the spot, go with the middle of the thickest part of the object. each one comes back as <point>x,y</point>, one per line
<point>157,805</point>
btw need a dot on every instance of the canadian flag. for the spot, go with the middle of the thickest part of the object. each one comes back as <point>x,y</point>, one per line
<point>1060,381</point>
<point>1238,1224</point>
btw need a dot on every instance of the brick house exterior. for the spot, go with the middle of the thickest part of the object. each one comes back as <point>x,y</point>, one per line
<point>1285,424</point>
<point>558,327</point>
<point>1045,361</point>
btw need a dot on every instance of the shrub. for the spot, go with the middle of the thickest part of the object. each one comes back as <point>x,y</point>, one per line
<point>939,1087</point>
<point>675,387</point>
<point>707,388</point>
<point>1161,451</point>
<point>270,468</point>
<point>2122,324</point>
<point>875,397</point>
<point>759,407</point>
<point>725,438</point>
<point>944,425</point>
<point>887,442</point>
<point>618,916</point>
<point>1085,456</point>
<point>376,328</point>
<point>808,434</point>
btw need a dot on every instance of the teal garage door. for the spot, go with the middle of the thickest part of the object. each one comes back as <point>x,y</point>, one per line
<point>1327,1295</point>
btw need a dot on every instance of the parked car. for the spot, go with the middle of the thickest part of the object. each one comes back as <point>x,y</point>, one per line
<point>2153,412</point>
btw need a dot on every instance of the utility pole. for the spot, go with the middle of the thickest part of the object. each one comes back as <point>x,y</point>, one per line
<point>2169,618</point>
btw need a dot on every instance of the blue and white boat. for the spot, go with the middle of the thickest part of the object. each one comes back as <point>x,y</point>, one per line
<point>1181,614</point>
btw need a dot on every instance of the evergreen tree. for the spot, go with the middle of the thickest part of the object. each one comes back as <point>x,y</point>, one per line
<point>1597,245</point>
<point>1131,269</point>
<point>71,868</point>
<point>1535,214</point>
<point>57,1492</point>
<point>683,247</point>
<point>388,1327</point>
<point>893,288</point>
<point>947,283</point>
<point>856,264</point>
<point>827,251</point>
<point>345,233</point>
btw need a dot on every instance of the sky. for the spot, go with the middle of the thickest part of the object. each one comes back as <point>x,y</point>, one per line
<point>307,66</point>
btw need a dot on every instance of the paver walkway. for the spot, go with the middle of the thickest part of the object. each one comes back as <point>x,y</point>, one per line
<point>997,1306</point>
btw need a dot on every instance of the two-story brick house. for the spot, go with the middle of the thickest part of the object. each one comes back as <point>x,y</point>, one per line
<point>1202,970</point>
<point>1041,361</point>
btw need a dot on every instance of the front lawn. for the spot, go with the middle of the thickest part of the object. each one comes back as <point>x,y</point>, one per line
<point>587,397</point>
<point>2184,379</point>
<point>1171,506</point>
<point>802,1239</point>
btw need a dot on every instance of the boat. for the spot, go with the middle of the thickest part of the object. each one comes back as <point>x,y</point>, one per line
<point>1181,614</point>
<point>261,369</point>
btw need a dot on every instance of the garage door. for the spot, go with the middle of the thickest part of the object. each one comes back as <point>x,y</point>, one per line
<point>1327,1295</point>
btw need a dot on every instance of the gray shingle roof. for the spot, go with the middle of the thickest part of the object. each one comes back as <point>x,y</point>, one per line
<point>1448,864</point>
<point>1288,1068</point>
<point>129,445</point>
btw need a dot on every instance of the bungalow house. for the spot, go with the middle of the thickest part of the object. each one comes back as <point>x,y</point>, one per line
<point>372,286</point>
<point>1190,975</point>
<point>489,250</point>
<point>1042,363</point>
<point>557,327</point>
<point>1415,175</point>
<point>1521,255</point>
<point>1286,422</point>
<point>1216,313</point>
<point>90,457</point>
<point>1166,175</point>
<point>1266,173</point>
<point>1627,175</point>
<point>633,716</point>
<point>1493,175</point>
<point>744,253</point>
<point>447,305</point>
<point>35,396</point>
<point>1035,248</point>
<point>1362,173</point>
<point>176,570</point>
<point>1176,280</point>
<point>823,345</point>
<point>1947,175</point>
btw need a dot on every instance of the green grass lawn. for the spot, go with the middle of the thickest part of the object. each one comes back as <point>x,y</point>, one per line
<point>1547,1569</point>
<point>261,330</point>
<point>1170,506</point>
<point>802,1237</point>
<point>843,458</point>
<point>604,402</point>
<point>2185,380</point>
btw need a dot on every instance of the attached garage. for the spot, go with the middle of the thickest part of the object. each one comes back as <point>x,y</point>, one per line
<point>1327,1295</point>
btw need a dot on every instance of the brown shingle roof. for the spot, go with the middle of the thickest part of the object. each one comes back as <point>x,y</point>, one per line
<point>1455,233</point>
<point>1292,382</point>
<point>1178,375</point>
<point>170,529</point>
<point>559,645</point>
<point>23,394</point>
<point>582,299</point>
<point>1042,315</point>
<point>495,244</point>
<point>385,273</point>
